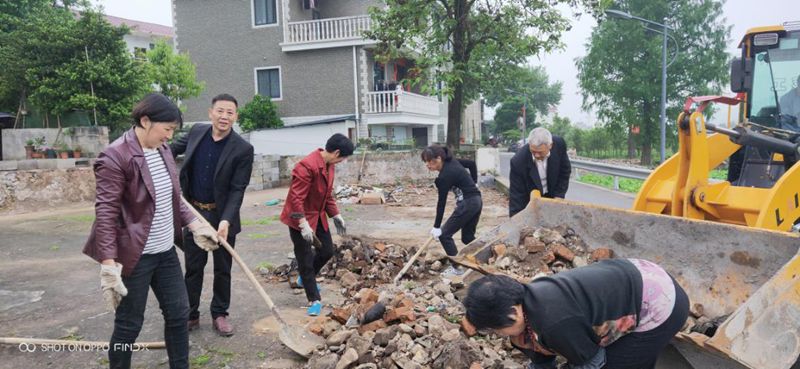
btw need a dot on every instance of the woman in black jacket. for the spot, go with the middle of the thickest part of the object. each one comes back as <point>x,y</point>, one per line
<point>453,177</point>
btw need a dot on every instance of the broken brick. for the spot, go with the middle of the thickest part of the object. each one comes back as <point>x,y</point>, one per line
<point>548,257</point>
<point>380,246</point>
<point>367,296</point>
<point>371,327</point>
<point>499,250</point>
<point>403,314</point>
<point>534,245</point>
<point>404,303</point>
<point>317,326</point>
<point>476,365</point>
<point>341,314</point>
<point>602,253</point>
<point>564,252</point>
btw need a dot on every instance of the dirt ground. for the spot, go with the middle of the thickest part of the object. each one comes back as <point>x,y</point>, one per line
<point>49,289</point>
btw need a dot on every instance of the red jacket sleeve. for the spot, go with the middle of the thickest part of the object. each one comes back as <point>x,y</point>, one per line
<point>301,184</point>
<point>330,205</point>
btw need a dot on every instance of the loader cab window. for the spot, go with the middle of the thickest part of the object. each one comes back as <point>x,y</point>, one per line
<point>775,98</point>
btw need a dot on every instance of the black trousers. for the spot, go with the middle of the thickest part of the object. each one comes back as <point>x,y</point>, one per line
<point>465,217</point>
<point>310,260</point>
<point>162,273</point>
<point>195,259</point>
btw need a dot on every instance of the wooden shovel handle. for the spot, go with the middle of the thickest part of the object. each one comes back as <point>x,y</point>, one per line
<point>241,263</point>
<point>410,262</point>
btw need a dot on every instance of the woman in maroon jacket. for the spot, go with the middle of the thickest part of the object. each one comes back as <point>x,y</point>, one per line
<point>309,202</point>
<point>138,213</point>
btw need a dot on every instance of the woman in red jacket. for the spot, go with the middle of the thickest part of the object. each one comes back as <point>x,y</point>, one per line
<point>309,202</point>
<point>138,213</point>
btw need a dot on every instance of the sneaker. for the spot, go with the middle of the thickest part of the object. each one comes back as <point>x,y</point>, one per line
<point>315,309</point>
<point>300,284</point>
<point>452,271</point>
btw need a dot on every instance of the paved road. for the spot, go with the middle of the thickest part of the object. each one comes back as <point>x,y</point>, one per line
<point>581,191</point>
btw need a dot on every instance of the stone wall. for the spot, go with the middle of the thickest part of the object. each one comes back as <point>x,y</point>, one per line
<point>23,190</point>
<point>91,139</point>
<point>32,190</point>
<point>379,168</point>
<point>266,172</point>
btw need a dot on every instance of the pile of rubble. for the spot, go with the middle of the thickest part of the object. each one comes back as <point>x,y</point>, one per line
<point>358,263</point>
<point>544,251</point>
<point>415,325</point>
<point>418,324</point>
<point>354,194</point>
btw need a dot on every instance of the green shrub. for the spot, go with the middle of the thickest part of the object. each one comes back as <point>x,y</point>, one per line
<point>259,113</point>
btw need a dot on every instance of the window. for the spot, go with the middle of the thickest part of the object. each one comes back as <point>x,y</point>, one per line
<point>268,82</point>
<point>265,12</point>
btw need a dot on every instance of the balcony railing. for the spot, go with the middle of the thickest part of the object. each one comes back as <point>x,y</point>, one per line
<point>326,30</point>
<point>399,101</point>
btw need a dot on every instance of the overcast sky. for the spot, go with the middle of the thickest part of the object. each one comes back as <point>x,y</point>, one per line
<point>741,14</point>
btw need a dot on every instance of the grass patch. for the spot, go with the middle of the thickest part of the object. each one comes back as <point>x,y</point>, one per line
<point>200,360</point>
<point>348,209</point>
<point>631,185</point>
<point>410,285</point>
<point>72,337</point>
<point>260,236</point>
<point>625,184</point>
<point>55,248</point>
<point>78,218</point>
<point>266,266</point>
<point>261,221</point>
<point>262,355</point>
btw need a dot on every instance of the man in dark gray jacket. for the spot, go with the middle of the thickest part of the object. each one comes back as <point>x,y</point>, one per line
<point>541,165</point>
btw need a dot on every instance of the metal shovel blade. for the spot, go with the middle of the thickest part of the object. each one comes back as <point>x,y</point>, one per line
<point>300,340</point>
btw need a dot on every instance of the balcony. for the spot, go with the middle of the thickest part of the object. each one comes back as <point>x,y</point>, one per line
<point>398,106</point>
<point>326,33</point>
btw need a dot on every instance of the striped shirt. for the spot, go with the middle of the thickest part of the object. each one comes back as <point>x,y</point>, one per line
<point>162,232</point>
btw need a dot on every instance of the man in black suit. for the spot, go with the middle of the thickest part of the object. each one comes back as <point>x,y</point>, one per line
<point>541,165</point>
<point>214,176</point>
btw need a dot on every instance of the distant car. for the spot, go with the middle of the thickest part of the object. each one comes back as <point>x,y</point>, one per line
<point>515,146</point>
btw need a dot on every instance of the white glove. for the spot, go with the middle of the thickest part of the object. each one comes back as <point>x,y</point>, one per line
<point>338,221</point>
<point>436,232</point>
<point>205,237</point>
<point>306,231</point>
<point>111,283</point>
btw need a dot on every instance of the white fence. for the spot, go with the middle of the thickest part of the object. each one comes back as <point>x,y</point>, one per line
<point>330,29</point>
<point>401,101</point>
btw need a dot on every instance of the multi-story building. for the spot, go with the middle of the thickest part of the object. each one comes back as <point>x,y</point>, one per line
<point>309,56</point>
<point>143,35</point>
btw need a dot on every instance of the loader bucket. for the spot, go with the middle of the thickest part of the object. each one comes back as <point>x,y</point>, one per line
<point>720,266</point>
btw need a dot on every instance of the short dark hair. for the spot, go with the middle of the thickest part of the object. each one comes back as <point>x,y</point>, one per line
<point>435,151</point>
<point>225,97</point>
<point>491,299</point>
<point>157,107</point>
<point>340,142</point>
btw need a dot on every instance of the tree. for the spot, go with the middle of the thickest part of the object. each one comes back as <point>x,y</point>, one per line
<point>465,44</point>
<point>525,82</point>
<point>259,113</point>
<point>561,126</point>
<point>172,73</point>
<point>620,76</point>
<point>62,62</point>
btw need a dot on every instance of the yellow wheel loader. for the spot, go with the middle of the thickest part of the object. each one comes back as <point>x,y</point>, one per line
<point>728,243</point>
